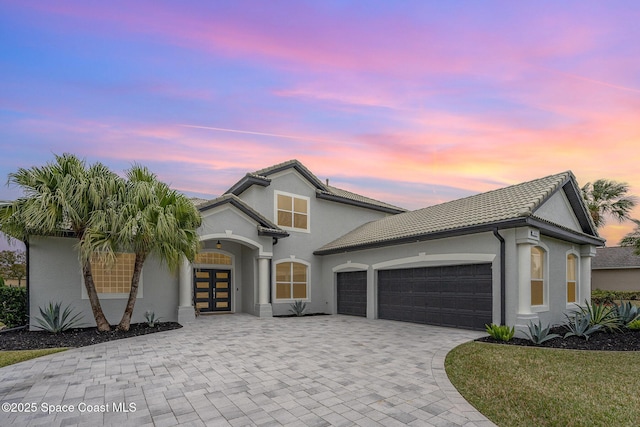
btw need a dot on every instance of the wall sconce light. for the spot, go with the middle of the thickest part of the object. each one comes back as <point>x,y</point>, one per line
<point>218,244</point>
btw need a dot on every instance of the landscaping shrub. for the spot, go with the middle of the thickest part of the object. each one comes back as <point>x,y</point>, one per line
<point>635,325</point>
<point>13,306</point>
<point>500,332</point>
<point>606,316</point>
<point>580,325</point>
<point>598,296</point>
<point>151,319</point>
<point>538,334</point>
<point>54,321</point>
<point>298,307</point>
<point>627,312</point>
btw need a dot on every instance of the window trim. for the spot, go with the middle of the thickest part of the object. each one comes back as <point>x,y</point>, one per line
<point>277,193</point>
<point>122,295</point>
<point>274,278</point>
<point>545,279</point>
<point>571,304</point>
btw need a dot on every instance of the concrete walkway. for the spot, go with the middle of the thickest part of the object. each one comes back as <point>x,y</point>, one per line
<point>239,370</point>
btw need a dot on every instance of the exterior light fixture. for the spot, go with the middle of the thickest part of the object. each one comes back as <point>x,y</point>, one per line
<point>218,244</point>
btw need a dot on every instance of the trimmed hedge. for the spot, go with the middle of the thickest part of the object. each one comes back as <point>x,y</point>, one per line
<point>598,296</point>
<point>13,306</point>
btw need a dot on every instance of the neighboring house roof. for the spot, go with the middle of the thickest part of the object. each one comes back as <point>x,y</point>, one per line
<point>265,226</point>
<point>503,208</point>
<point>323,191</point>
<point>615,257</point>
<point>197,201</point>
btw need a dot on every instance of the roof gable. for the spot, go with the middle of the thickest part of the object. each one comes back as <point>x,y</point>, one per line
<point>323,191</point>
<point>506,207</point>
<point>265,226</point>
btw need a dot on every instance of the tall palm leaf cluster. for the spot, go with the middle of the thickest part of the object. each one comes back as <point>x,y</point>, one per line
<point>606,197</point>
<point>609,198</point>
<point>107,214</point>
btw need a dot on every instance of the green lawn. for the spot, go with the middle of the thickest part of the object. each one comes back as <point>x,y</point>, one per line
<point>11,357</point>
<point>523,386</point>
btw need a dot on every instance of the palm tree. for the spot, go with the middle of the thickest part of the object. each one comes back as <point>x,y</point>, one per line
<point>149,219</point>
<point>633,238</point>
<point>606,197</point>
<point>60,198</point>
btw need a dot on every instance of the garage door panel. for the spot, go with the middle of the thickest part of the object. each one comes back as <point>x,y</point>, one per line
<point>457,296</point>
<point>352,293</point>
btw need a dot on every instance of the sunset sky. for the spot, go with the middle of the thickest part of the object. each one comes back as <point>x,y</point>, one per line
<point>410,102</point>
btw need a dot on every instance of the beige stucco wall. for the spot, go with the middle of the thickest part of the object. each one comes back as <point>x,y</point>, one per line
<point>616,279</point>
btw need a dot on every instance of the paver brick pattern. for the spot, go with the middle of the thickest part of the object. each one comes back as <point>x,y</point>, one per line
<point>240,370</point>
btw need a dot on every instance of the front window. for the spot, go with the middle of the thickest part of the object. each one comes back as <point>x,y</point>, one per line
<point>291,281</point>
<point>292,211</point>
<point>572,278</point>
<point>113,278</point>
<point>537,275</point>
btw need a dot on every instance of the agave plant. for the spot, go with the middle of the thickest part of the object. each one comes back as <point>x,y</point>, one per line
<point>580,325</point>
<point>500,332</point>
<point>538,334</point>
<point>54,321</point>
<point>627,312</point>
<point>298,307</point>
<point>151,319</point>
<point>603,315</point>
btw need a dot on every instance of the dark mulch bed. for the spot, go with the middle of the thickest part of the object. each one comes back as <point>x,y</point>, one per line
<point>625,340</point>
<point>32,340</point>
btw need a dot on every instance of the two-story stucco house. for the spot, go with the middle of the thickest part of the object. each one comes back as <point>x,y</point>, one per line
<point>280,234</point>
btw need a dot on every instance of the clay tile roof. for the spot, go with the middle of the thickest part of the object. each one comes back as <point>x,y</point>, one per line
<point>492,207</point>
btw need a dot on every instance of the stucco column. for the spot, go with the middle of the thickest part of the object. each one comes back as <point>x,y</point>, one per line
<point>263,307</point>
<point>186,312</point>
<point>524,278</point>
<point>526,237</point>
<point>587,252</point>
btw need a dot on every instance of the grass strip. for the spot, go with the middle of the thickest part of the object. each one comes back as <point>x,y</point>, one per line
<point>524,386</point>
<point>11,357</point>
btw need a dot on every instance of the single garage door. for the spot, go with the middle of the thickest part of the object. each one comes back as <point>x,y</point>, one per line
<point>352,293</point>
<point>459,296</point>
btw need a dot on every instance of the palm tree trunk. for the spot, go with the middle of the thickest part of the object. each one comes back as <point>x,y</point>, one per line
<point>125,322</point>
<point>101,320</point>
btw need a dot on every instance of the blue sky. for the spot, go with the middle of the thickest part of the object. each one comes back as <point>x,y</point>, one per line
<point>414,102</point>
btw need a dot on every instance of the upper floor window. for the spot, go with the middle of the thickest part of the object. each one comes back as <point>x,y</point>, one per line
<point>572,278</point>
<point>292,211</point>
<point>537,275</point>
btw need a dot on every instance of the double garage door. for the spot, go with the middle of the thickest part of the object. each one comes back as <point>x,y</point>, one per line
<point>457,296</point>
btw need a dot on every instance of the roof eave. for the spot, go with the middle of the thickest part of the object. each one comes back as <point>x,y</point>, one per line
<point>246,182</point>
<point>564,234</point>
<point>271,232</point>
<point>334,198</point>
<point>428,236</point>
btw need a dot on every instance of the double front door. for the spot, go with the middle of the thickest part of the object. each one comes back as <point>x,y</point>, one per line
<point>212,289</point>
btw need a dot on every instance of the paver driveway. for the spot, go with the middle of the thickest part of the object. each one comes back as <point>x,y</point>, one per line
<point>241,370</point>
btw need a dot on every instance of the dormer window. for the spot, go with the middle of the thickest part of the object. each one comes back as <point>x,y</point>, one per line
<point>292,211</point>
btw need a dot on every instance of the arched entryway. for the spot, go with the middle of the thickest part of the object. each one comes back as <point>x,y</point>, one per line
<point>231,274</point>
<point>213,282</point>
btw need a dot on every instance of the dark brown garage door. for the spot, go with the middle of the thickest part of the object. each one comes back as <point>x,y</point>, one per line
<point>352,293</point>
<point>456,295</point>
